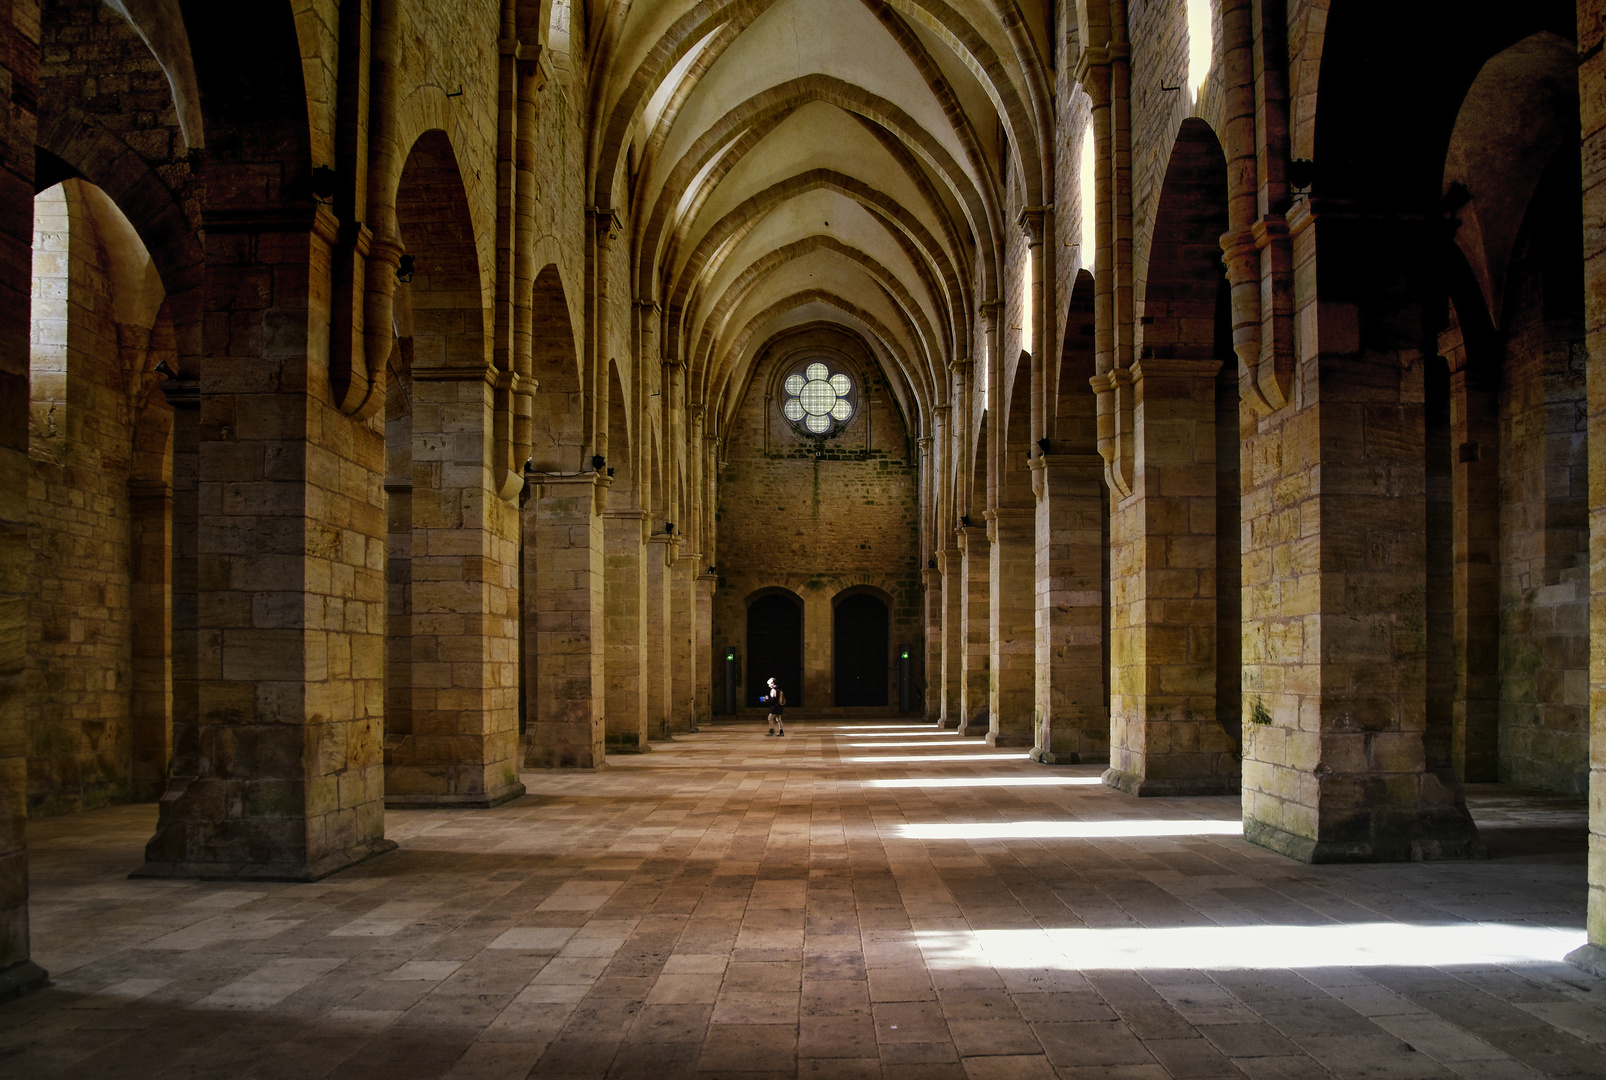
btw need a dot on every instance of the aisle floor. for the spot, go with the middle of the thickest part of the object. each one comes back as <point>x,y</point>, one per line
<point>851,901</point>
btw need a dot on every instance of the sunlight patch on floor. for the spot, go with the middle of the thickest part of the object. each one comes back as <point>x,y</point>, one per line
<point>1068,830</point>
<point>987,781</point>
<point>884,758</point>
<point>1215,948</point>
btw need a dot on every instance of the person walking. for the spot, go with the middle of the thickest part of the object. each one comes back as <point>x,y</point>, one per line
<point>777,702</point>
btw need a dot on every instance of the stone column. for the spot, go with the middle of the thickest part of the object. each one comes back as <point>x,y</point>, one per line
<point>703,647</point>
<point>1072,711</point>
<point>462,748</point>
<point>1164,737</point>
<point>1475,700</point>
<point>949,564</point>
<point>150,505</point>
<point>625,626</point>
<point>1012,637</point>
<point>975,558</point>
<point>19,21</point>
<point>563,583</point>
<point>659,665</point>
<point>1335,762</point>
<point>1591,72</point>
<point>682,642</point>
<point>930,676</point>
<point>288,783</point>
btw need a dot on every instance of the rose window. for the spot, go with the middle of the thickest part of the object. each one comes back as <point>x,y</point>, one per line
<point>816,400</point>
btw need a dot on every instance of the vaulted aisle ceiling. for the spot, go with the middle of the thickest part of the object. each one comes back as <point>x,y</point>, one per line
<point>787,162</point>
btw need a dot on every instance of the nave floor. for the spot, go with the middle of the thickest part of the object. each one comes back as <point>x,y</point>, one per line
<point>850,901</point>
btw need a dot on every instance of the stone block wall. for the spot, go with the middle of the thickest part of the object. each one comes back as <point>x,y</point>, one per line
<point>817,517</point>
<point>81,438</point>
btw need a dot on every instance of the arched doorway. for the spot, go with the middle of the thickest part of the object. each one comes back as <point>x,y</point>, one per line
<point>860,633</point>
<point>775,647</point>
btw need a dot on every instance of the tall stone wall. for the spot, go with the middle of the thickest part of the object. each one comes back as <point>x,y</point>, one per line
<point>1544,538</point>
<point>817,517</point>
<point>80,443</point>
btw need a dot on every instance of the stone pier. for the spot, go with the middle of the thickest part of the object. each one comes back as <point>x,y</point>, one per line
<point>1164,737</point>
<point>563,611</point>
<point>1072,711</point>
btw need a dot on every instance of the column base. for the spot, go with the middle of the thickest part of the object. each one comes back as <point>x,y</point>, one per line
<point>979,724</point>
<point>481,800</point>
<point>1453,842</point>
<point>332,863</point>
<point>945,723</point>
<point>1048,757</point>
<point>1006,741</point>
<point>1590,958</point>
<point>628,744</point>
<point>1160,787</point>
<point>22,978</point>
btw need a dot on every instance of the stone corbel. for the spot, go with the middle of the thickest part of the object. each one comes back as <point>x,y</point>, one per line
<point>608,223</point>
<point>1115,419</point>
<point>1275,243</point>
<point>948,560</point>
<point>1242,259</point>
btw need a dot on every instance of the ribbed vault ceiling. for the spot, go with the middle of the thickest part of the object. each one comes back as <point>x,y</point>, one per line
<point>795,161</point>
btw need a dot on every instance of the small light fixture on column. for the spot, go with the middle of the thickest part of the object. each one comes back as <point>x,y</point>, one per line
<point>404,269</point>
<point>597,462</point>
<point>669,528</point>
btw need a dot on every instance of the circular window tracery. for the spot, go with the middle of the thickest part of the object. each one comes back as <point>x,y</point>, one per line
<point>816,400</point>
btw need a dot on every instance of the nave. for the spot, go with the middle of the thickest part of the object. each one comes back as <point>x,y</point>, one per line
<point>853,901</point>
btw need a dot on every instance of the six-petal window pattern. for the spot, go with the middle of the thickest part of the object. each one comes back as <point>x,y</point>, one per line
<point>816,400</point>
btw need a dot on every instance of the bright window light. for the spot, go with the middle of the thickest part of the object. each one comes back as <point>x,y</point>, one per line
<point>1088,187</point>
<point>1201,44</point>
<point>890,758</point>
<point>1069,830</point>
<point>900,746</point>
<point>1026,303</point>
<point>988,781</point>
<point>1215,948</point>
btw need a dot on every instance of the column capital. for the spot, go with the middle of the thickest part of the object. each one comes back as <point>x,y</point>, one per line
<point>989,310</point>
<point>1032,220</point>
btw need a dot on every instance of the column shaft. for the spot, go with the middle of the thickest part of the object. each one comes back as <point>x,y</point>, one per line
<point>1072,711</point>
<point>975,559</point>
<point>953,639</point>
<point>1012,636</point>
<point>625,587</point>
<point>563,581</point>
<point>1165,738</point>
<point>461,745</point>
<point>659,666</point>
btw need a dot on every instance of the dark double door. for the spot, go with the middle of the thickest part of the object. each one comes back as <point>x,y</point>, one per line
<point>775,648</point>
<point>861,651</point>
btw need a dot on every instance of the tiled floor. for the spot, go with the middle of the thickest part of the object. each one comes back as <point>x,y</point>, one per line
<point>847,902</point>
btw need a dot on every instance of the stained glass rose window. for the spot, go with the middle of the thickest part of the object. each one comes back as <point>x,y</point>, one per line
<point>816,400</point>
